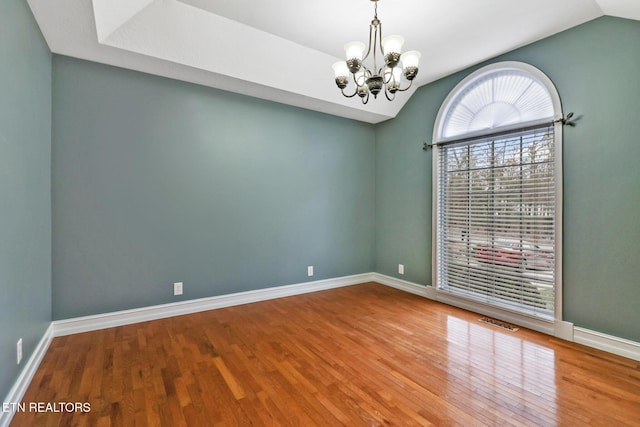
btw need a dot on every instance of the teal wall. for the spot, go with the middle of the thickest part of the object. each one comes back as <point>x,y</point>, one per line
<point>25,187</point>
<point>157,181</point>
<point>596,69</point>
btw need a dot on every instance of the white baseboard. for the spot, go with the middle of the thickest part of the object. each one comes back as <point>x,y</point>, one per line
<point>609,343</point>
<point>16,393</point>
<point>431,292</point>
<point>564,330</point>
<point>561,329</point>
<point>143,314</point>
<point>403,285</point>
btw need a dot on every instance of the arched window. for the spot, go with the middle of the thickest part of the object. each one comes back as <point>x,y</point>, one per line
<point>497,198</point>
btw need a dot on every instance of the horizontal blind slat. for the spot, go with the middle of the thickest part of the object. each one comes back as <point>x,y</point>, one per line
<point>497,219</point>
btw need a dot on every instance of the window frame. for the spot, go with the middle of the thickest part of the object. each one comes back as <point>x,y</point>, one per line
<point>553,326</point>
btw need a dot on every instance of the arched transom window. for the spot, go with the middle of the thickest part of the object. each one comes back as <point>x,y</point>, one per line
<point>499,96</point>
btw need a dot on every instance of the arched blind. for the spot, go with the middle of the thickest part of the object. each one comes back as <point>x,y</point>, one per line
<point>496,100</point>
<point>496,191</point>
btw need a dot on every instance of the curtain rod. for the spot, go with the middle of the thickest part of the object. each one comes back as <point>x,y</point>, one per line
<point>565,121</point>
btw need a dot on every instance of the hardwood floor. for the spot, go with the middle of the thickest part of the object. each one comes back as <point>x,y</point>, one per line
<point>360,355</point>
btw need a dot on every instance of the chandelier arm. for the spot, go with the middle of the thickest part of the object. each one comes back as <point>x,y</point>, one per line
<point>349,96</point>
<point>406,88</point>
<point>376,37</point>
<point>369,46</point>
<point>365,75</point>
<point>390,74</point>
<point>365,99</point>
<point>380,38</point>
<point>386,93</point>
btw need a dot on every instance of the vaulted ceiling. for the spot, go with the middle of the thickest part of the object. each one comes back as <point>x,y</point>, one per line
<point>282,50</point>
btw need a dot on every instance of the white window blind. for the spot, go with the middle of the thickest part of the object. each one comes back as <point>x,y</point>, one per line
<point>496,220</point>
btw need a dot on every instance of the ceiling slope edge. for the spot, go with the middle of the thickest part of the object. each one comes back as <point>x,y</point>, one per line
<point>69,27</point>
<point>112,14</point>
<point>621,8</point>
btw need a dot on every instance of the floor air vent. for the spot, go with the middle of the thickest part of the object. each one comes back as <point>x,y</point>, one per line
<point>499,324</point>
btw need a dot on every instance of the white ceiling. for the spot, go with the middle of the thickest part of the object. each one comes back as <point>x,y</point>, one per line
<point>282,50</point>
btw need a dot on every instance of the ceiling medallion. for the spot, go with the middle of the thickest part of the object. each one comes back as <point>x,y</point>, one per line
<point>374,80</point>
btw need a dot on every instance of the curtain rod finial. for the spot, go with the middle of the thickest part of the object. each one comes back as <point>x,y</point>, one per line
<point>566,120</point>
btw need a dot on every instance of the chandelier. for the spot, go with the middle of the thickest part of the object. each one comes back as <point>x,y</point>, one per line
<point>374,80</point>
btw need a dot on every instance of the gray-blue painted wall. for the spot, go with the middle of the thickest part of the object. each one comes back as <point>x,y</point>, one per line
<point>157,181</point>
<point>25,187</point>
<point>596,69</point>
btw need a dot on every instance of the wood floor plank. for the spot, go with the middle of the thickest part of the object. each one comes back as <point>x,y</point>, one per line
<point>364,355</point>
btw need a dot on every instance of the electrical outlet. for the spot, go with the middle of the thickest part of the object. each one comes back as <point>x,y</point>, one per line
<point>19,351</point>
<point>400,268</point>
<point>177,288</point>
<point>310,270</point>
